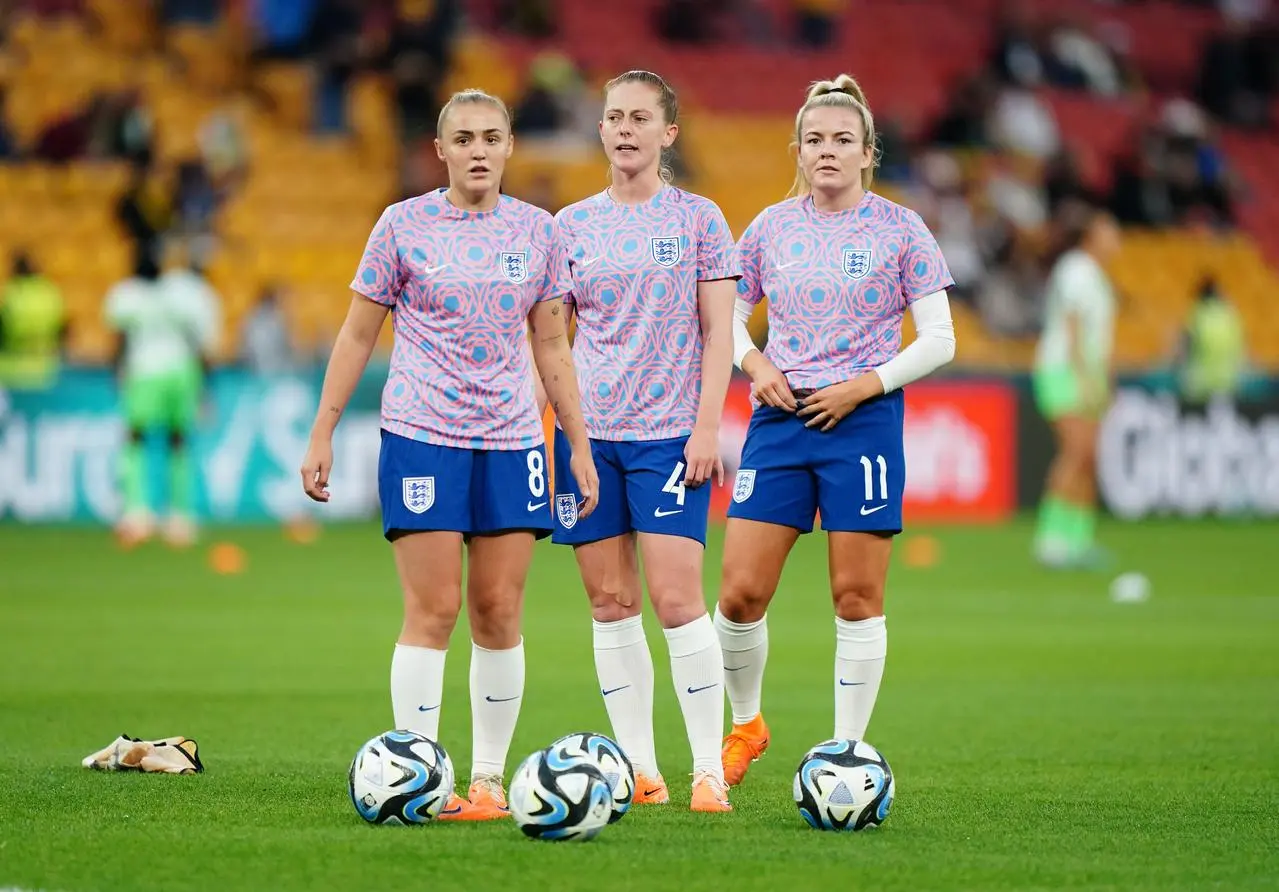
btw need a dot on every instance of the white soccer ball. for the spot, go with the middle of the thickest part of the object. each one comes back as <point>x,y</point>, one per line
<point>844,785</point>
<point>558,795</point>
<point>400,777</point>
<point>610,760</point>
<point>1130,588</point>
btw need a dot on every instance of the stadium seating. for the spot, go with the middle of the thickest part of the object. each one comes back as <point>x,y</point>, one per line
<point>303,214</point>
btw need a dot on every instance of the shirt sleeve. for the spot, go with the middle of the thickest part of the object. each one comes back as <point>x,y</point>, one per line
<point>716,253</point>
<point>115,308</point>
<point>380,275</point>
<point>923,267</point>
<point>750,287</point>
<point>563,237</point>
<point>557,281</point>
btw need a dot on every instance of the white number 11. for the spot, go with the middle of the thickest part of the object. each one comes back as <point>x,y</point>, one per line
<point>870,480</point>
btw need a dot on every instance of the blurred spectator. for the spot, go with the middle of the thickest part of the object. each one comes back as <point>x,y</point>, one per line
<point>686,21</point>
<point>1063,182</point>
<point>816,21</point>
<point>199,12</point>
<point>32,327</point>
<point>8,146</point>
<point>1021,122</point>
<point>1237,74</point>
<point>418,56</point>
<point>267,345</point>
<point>1080,60</point>
<point>282,27</point>
<point>528,18</point>
<point>538,112</point>
<point>1016,58</point>
<point>335,47</point>
<point>963,124</point>
<point>145,212</point>
<point>1213,353</point>
<point>557,104</point>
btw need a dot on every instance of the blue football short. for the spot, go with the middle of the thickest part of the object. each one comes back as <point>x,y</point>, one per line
<point>475,492</point>
<point>855,474</point>
<point>641,490</point>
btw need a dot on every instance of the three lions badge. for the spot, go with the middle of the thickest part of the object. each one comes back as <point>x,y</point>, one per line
<point>566,510</point>
<point>419,494</point>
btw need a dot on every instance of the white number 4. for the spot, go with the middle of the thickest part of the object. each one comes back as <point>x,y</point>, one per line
<point>870,480</point>
<point>675,484</point>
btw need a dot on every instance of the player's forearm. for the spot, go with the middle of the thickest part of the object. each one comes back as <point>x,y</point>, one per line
<point>351,351</point>
<point>743,344</point>
<point>717,371</point>
<point>558,377</point>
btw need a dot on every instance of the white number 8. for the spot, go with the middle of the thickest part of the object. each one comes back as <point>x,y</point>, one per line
<point>536,474</point>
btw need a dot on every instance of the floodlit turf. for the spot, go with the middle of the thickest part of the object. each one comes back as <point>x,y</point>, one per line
<point>1042,736</point>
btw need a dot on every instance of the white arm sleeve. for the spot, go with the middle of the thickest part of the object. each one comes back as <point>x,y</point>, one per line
<point>742,341</point>
<point>933,347</point>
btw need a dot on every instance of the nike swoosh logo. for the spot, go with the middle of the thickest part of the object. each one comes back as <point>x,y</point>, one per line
<point>592,261</point>
<point>432,270</point>
<point>613,690</point>
<point>533,507</point>
<point>658,512</point>
<point>735,668</point>
<point>493,699</point>
<point>850,684</point>
<point>451,811</point>
<point>782,266</point>
<point>705,687</point>
<point>653,792</point>
<point>428,708</point>
<point>866,511</point>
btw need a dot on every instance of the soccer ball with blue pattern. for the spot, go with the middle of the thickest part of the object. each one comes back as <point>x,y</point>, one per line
<point>400,777</point>
<point>610,760</point>
<point>559,794</point>
<point>844,785</point>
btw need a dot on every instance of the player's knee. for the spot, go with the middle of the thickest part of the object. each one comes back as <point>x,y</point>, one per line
<point>743,596</point>
<point>857,599</point>
<point>495,617</point>
<point>431,612</point>
<point>611,610</point>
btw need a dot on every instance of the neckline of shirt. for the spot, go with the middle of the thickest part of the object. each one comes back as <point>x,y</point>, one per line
<point>441,198</point>
<point>856,211</point>
<point>607,197</point>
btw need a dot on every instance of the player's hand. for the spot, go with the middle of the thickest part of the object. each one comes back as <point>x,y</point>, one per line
<point>701,458</point>
<point>768,384</point>
<point>582,466</point>
<point>316,467</point>
<point>830,405</point>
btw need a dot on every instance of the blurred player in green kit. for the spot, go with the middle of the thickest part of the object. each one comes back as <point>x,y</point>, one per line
<point>1072,383</point>
<point>169,324</point>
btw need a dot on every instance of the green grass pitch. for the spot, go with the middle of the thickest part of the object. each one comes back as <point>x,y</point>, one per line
<point>1042,736</point>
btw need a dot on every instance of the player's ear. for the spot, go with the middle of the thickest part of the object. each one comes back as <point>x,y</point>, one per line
<point>439,149</point>
<point>672,131</point>
<point>510,144</point>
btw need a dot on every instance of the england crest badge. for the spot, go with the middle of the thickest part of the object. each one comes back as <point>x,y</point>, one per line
<point>666,250</point>
<point>514,266</point>
<point>857,263</point>
<point>419,494</point>
<point>743,486</point>
<point>566,510</point>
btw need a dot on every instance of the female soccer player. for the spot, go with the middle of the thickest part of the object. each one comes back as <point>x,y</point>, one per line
<point>466,272</point>
<point>653,269</point>
<point>840,266</point>
<point>1072,389</point>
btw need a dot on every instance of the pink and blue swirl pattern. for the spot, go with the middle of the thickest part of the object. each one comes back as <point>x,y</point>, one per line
<point>635,271</point>
<point>837,284</point>
<point>460,285</point>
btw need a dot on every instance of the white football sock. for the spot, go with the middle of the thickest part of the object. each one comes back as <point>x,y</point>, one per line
<point>417,682</point>
<point>745,647</point>
<point>497,688</point>
<point>624,666</point>
<point>860,646</point>
<point>697,668</point>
